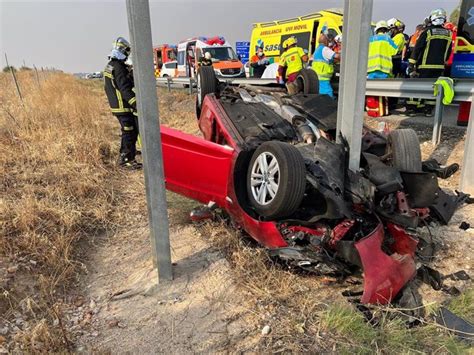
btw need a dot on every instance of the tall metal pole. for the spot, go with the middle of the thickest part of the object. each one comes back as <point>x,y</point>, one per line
<point>350,115</point>
<point>138,12</point>
<point>467,172</point>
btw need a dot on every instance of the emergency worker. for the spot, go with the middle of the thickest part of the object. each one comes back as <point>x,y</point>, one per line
<point>206,60</point>
<point>396,33</point>
<point>291,63</point>
<point>323,64</point>
<point>379,66</point>
<point>381,50</point>
<point>259,63</point>
<point>410,45</point>
<point>428,59</point>
<point>119,88</point>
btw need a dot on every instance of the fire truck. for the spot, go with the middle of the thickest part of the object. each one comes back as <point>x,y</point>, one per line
<point>163,53</point>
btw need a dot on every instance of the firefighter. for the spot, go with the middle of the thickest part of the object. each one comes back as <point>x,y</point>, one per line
<point>428,59</point>
<point>323,64</point>
<point>259,63</point>
<point>292,60</point>
<point>119,88</point>
<point>206,60</point>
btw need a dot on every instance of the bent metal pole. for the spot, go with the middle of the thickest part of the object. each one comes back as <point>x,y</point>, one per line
<point>138,12</point>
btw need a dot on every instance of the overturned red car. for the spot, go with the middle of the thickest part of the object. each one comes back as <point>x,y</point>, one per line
<point>272,163</point>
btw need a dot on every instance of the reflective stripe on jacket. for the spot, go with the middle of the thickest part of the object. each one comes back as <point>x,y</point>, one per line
<point>292,59</point>
<point>432,48</point>
<point>381,50</point>
<point>323,68</point>
<point>119,87</point>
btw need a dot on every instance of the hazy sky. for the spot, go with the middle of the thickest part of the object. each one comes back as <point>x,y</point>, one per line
<point>76,36</point>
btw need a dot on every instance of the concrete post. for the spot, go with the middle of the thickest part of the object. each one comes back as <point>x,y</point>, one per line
<point>350,116</point>
<point>138,12</point>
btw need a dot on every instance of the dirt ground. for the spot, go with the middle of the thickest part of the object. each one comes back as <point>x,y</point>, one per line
<point>116,306</point>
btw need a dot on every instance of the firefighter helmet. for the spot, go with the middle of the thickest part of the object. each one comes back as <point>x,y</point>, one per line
<point>438,17</point>
<point>400,25</point>
<point>123,46</point>
<point>381,25</point>
<point>392,23</point>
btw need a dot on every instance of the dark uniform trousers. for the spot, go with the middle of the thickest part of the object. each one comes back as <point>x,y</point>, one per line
<point>129,126</point>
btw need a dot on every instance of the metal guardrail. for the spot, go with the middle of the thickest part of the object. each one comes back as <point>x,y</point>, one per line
<point>417,88</point>
<point>168,82</point>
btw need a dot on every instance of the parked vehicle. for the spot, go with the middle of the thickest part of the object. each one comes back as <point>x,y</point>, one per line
<point>224,60</point>
<point>162,54</point>
<point>271,162</point>
<point>169,69</point>
<point>271,35</point>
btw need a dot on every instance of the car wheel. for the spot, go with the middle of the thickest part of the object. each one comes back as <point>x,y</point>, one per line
<point>403,147</point>
<point>308,82</point>
<point>276,180</point>
<point>206,83</point>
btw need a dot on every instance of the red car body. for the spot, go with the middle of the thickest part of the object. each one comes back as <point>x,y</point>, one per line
<point>207,169</point>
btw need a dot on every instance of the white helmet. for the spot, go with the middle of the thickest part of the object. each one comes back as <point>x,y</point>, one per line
<point>207,55</point>
<point>391,23</point>
<point>381,24</point>
<point>438,17</point>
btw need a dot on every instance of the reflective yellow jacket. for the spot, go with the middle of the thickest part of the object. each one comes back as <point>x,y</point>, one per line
<point>381,50</point>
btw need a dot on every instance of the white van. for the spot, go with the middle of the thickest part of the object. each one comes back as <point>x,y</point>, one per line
<point>224,60</point>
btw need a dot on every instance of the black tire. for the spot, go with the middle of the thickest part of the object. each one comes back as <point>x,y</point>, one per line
<point>291,180</point>
<point>308,81</point>
<point>206,83</point>
<point>404,146</point>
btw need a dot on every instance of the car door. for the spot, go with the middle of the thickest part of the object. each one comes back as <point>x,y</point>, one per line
<point>196,168</point>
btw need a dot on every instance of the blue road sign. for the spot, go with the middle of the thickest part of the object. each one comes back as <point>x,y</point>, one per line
<point>243,49</point>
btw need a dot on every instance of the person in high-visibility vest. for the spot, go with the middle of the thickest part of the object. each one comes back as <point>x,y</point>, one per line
<point>323,64</point>
<point>396,32</point>
<point>291,63</point>
<point>381,50</point>
<point>379,66</point>
<point>429,57</point>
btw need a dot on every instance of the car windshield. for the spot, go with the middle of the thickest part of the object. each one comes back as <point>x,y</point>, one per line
<point>221,53</point>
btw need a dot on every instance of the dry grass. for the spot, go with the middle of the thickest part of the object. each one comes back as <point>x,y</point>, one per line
<point>56,189</point>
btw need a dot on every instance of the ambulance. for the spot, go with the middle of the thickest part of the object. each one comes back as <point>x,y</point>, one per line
<point>271,35</point>
<point>224,60</point>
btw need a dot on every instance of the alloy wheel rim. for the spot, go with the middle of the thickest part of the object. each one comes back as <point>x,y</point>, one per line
<point>265,178</point>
